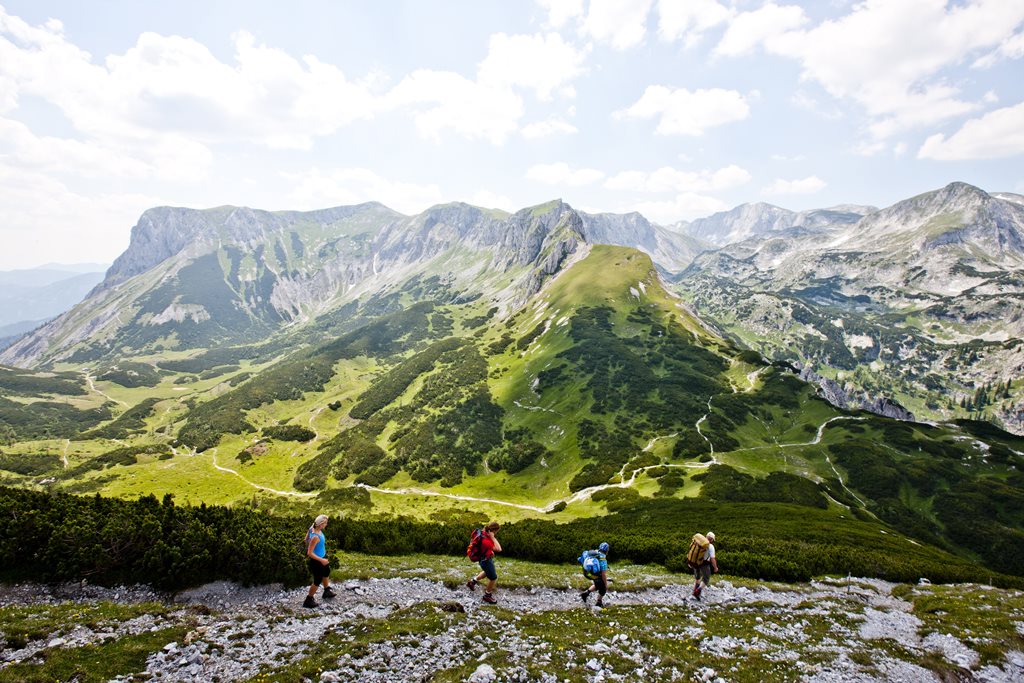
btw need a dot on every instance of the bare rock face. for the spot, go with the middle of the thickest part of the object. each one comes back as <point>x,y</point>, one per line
<point>762,220</point>
<point>849,397</point>
<point>232,274</point>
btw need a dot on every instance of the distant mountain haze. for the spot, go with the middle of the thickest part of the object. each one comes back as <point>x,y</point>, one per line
<point>36,294</point>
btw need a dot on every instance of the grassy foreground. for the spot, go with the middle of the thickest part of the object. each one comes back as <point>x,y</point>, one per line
<point>747,631</point>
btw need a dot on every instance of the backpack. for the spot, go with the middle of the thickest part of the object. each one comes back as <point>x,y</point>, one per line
<point>591,563</point>
<point>698,546</point>
<point>302,547</point>
<point>475,550</point>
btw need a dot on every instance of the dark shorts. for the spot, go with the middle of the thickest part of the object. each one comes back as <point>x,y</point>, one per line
<point>319,571</point>
<point>703,573</point>
<point>488,567</point>
<point>600,585</point>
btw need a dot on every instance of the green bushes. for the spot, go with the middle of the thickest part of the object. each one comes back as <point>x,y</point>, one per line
<point>517,452</point>
<point>127,455</point>
<point>291,378</point>
<point>49,420</point>
<point>393,383</point>
<point>721,482</point>
<point>289,433</point>
<point>27,383</point>
<point>131,375</point>
<point>29,465</point>
<point>128,422</point>
<point>61,537</point>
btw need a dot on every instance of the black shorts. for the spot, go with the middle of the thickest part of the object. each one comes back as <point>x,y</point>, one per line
<point>487,565</point>
<point>319,571</point>
<point>702,572</point>
<point>600,585</point>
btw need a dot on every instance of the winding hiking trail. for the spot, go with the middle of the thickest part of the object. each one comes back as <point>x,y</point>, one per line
<point>64,453</point>
<point>295,494</point>
<point>582,494</point>
<point>92,387</point>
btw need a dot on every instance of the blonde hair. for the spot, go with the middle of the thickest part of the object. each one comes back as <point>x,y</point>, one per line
<point>320,520</point>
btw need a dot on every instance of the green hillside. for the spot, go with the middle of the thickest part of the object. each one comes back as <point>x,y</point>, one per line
<point>600,394</point>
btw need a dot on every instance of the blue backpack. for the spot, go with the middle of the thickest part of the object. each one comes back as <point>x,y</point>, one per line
<point>590,560</point>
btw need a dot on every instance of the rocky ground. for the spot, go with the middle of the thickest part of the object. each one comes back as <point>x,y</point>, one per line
<point>414,628</point>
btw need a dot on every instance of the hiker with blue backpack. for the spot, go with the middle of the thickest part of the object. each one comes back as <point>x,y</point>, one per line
<point>319,565</point>
<point>595,568</point>
<point>482,546</point>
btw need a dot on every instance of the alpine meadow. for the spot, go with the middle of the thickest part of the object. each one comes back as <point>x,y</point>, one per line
<point>824,403</point>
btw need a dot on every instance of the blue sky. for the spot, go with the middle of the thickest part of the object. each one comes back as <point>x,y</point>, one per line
<point>674,108</point>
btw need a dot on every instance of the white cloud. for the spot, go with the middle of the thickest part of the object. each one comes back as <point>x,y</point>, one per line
<point>561,174</point>
<point>32,204</point>
<point>167,157</point>
<point>884,55</point>
<point>175,86</point>
<point>686,206</point>
<point>689,19</point>
<point>808,185</point>
<point>489,108</point>
<point>561,11</point>
<point>667,179</point>
<point>454,102</point>
<point>542,63</point>
<point>492,200</point>
<point>552,126</point>
<point>682,112</point>
<point>750,29</point>
<point>1011,48</point>
<point>997,134</point>
<point>316,189</point>
<point>619,23</point>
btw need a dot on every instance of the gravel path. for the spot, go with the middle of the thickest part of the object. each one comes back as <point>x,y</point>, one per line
<point>236,631</point>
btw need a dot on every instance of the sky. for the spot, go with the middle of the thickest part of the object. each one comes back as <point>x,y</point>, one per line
<point>673,108</point>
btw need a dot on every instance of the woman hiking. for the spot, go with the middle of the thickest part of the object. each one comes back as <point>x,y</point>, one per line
<point>319,566</point>
<point>488,546</point>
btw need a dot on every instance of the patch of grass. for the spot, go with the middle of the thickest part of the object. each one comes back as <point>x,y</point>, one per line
<point>100,662</point>
<point>21,625</point>
<point>325,653</point>
<point>984,619</point>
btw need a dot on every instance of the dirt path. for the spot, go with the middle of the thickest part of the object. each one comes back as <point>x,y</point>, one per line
<point>294,494</point>
<point>92,386</point>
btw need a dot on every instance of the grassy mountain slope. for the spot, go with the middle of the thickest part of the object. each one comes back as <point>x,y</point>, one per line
<point>600,394</point>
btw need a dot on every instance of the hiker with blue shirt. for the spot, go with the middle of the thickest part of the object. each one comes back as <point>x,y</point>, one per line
<point>319,565</point>
<point>595,568</point>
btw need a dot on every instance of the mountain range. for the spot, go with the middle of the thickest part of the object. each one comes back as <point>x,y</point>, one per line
<point>548,361</point>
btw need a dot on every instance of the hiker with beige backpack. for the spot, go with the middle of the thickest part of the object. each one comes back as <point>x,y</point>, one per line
<point>701,559</point>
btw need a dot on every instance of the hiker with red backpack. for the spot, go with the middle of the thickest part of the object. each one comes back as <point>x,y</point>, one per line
<point>319,565</point>
<point>595,568</point>
<point>482,546</point>
<point>701,558</point>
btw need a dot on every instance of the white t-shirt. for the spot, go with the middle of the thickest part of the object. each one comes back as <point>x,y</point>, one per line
<point>709,554</point>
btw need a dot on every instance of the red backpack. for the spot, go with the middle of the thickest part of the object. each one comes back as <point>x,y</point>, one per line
<point>475,550</point>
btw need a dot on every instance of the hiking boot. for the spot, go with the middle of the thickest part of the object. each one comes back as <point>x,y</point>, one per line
<point>471,584</point>
<point>696,594</point>
<point>329,592</point>
<point>600,603</point>
<point>584,596</point>
<point>490,599</point>
<point>310,602</point>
